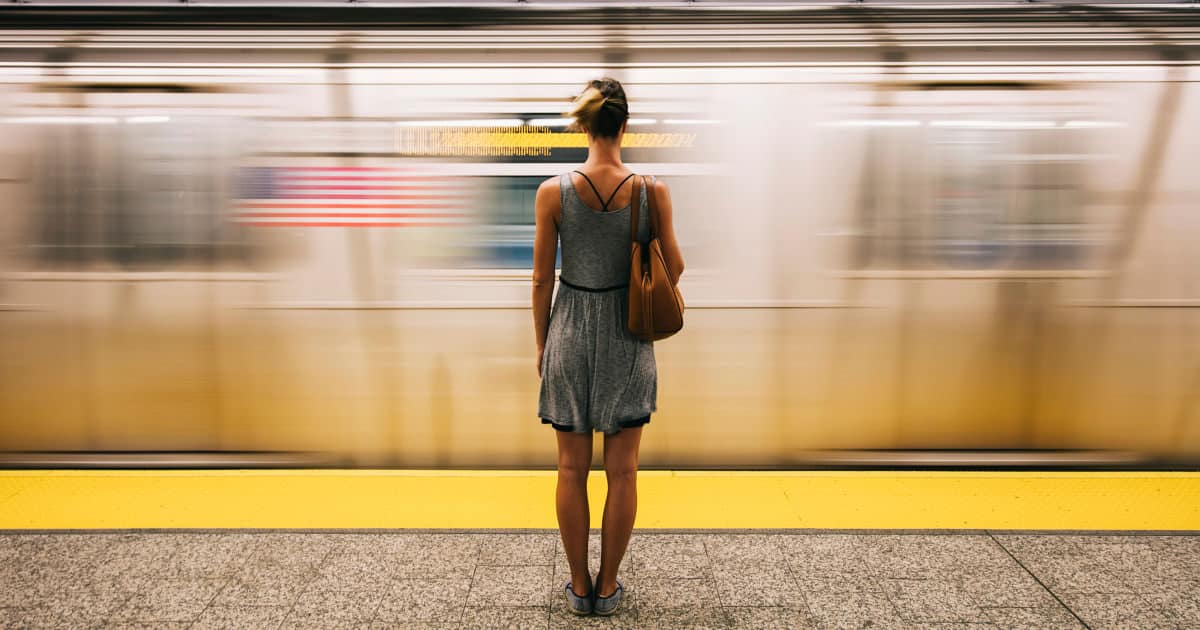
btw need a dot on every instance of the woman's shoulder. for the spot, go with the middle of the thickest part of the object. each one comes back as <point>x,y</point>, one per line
<point>548,198</point>
<point>662,192</point>
<point>551,185</point>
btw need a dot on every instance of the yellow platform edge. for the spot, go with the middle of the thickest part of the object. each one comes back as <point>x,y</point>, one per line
<point>486,499</point>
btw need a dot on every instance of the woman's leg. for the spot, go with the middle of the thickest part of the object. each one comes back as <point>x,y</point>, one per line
<point>574,519</point>
<point>620,507</point>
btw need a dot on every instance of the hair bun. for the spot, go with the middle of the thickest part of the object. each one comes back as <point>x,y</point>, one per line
<point>600,109</point>
<point>615,102</point>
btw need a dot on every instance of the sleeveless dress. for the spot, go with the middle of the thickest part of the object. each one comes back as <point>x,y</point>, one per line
<point>596,375</point>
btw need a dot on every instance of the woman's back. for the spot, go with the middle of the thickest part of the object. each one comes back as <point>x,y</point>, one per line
<point>595,242</point>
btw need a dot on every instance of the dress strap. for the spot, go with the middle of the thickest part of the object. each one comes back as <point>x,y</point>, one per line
<point>604,206</point>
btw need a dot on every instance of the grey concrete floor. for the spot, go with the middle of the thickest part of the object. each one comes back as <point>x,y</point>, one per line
<point>706,579</point>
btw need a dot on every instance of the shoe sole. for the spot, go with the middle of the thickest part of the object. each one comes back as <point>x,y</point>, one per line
<point>614,608</point>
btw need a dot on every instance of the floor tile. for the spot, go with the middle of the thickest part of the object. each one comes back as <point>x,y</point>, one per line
<point>934,600</point>
<point>769,618</point>
<point>436,556</point>
<point>676,593</point>
<point>1007,587</point>
<point>212,555</point>
<point>353,571</point>
<point>240,617</point>
<point>88,603</point>
<point>670,556</point>
<point>853,582</point>
<point>855,609</point>
<point>680,619</point>
<point>1180,600</point>
<point>389,543</point>
<point>315,608</point>
<point>1026,545</point>
<point>410,625</point>
<point>1186,547</point>
<point>755,584</point>
<point>148,625</point>
<point>824,551</point>
<point>506,618</point>
<point>170,600</point>
<point>46,617</point>
<point>1123,611</point>
<point>1033,618</point>
<point>908,556</point>
<point>510,586</point>
<point>743,548</point>
<point>518,549</point>
<point>263,590</point>
<point>1076,575</point>
<point>424,599</point>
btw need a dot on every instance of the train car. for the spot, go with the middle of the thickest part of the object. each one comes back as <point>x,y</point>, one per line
<point>923,235</point>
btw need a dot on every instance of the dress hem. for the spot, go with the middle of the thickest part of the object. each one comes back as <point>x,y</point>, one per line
<point>629,423</point>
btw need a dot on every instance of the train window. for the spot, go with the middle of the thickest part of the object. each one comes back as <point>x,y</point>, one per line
<point>136,192</point>
<point>504,237</point>
<point>972,195</point>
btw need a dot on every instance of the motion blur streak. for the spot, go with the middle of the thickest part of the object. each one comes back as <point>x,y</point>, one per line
<point>907,230</point>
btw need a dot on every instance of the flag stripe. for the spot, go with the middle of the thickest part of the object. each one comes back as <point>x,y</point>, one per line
<point>341,196</point>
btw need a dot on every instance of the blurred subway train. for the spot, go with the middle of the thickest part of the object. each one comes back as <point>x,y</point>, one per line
<point>916,235</point>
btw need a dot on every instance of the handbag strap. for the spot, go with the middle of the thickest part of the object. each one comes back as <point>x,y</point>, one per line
<point>635,205</point>
<point>653,207</point>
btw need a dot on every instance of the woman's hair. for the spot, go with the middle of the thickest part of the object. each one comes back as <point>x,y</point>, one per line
<point>601,109</point>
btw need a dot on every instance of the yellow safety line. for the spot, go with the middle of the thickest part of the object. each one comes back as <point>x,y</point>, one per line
<point>86,499</point>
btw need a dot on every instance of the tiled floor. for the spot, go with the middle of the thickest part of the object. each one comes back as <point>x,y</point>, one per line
<point>808,579</point>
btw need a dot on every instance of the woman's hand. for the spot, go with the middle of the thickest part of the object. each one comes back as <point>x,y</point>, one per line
<point>541,351</point>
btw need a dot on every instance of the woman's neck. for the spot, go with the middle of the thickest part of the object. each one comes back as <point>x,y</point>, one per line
<point>603,154</point>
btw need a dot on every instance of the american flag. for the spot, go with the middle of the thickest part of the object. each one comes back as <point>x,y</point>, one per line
<point>350,196</point>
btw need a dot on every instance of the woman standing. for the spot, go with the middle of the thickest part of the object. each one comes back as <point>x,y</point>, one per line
<point>596,375</point>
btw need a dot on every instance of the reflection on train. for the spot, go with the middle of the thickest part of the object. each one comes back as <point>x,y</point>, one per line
<point>325,247</point>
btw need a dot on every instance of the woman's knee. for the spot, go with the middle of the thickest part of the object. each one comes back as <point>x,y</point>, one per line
<point>574,472</point>
<point>621,475</point>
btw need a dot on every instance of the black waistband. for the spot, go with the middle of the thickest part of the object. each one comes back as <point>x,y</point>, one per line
<point>593,290</point>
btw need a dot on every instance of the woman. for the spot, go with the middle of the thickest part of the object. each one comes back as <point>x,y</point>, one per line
<point>596,375</point>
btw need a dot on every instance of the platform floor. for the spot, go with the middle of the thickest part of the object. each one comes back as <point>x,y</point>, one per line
<point>675,579</point>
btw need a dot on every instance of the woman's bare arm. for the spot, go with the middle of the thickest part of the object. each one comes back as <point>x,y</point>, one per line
<point>546,207</point>
<point>666,229</point>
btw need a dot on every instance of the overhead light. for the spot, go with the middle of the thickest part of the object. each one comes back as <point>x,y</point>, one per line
<point>550,122</point>
<point>642,121</point>
<point>486,122</point>
<point>689,121</point>
<point>146,119</point>
<point>994,124</point>
<point>62,120</point>
<point>1092,124</point>
<point>880,122</point>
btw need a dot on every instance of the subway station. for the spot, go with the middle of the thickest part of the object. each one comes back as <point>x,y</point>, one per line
<point>534,314</point>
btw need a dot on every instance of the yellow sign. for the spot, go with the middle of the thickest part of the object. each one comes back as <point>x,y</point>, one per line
<point>516,141</point>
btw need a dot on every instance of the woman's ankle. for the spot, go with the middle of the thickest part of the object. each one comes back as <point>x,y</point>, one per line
<point>584,585</point>
<point>605,587</point>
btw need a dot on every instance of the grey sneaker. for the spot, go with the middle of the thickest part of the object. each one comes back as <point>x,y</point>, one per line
<point>576,604</point>
<point>608,605</point>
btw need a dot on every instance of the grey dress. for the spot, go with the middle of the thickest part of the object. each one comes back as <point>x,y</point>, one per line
<point>596,376</point>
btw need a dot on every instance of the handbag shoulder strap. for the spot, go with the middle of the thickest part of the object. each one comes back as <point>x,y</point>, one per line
<point>634,204</point>
<point>653,207</point>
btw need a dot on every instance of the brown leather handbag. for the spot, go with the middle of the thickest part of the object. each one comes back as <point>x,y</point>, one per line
<point>655,304</point>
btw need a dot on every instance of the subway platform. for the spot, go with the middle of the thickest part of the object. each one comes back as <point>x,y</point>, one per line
<point>795,549</point>
<point>447,580</point>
